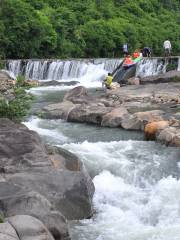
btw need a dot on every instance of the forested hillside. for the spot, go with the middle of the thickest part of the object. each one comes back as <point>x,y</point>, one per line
<point>86,28</point>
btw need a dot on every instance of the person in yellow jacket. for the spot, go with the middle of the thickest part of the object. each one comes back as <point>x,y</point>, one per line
<point>108,81</point>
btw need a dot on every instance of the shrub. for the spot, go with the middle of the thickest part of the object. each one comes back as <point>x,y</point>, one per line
<point>18,107</point>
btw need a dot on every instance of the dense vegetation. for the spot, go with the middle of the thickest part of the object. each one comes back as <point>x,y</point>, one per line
<point>90,28</point>
<point>16,102</point>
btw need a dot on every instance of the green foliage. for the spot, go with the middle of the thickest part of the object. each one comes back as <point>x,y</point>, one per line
<point>91,28</point>
<point>17,107</point>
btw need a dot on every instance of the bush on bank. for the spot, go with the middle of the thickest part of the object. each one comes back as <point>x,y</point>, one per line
<point>15,103</point>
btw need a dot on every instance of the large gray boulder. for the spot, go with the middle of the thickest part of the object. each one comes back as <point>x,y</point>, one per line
<point>92,113</point>
<point>77,92</point>
<point>137,121</point>
<point>115,117</point>
<point>7,232</point>
<point>56,183</point>
<point>58,110</point>
<point>24,227</point>
<point>29,228</point>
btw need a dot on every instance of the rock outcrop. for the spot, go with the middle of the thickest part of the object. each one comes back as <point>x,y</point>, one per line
<point>48,183</point>
<point>171,76</point>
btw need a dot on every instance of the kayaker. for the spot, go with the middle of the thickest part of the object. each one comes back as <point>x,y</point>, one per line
<point>108,81</point>
<point>167,48</point>
<point>128,60</point>
<point>136,54</point>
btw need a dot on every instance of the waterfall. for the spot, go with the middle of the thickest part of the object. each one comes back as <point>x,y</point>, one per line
<point>151,67</point>
<point>58,69</point>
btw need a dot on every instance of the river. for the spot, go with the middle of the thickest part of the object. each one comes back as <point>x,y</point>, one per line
<point>137,186</point>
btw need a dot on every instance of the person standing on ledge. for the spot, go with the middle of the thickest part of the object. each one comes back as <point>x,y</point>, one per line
<point>167,48</point>
<point>125,49</point>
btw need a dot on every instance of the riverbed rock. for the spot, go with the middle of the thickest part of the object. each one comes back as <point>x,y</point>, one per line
<point>7,232</point>
<point>151,129</point>
<point>133,81</point>
<point>26,163</point>
<point>58,83</point>
<point>16,199</point>
<point>92,113</point>
<point>115,117</point>
<point>171,76</point>
<point>58,110</point>
<point>138,120</point>
<point>75,93</point>
<point>170,136</point>
<point>28,227</point>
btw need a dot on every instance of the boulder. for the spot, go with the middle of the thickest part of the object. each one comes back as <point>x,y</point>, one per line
<point>170,136</point>
<point>77,92</point>
<point>16,199</point>
<point>58,110</point>
<point>29,228</point>
<point>57,178</point>
<point>92,113</point>
<point>115,117</point>
<point>24,227</point>
<point>151,129</point>
<point>138,120</point>
<point>133,81</point>
<point>7,232</point>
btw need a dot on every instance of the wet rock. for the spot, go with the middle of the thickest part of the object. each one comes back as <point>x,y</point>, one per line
<point>115,117</point>
<point>151,129</point>
<point>58,83</point>
<point>58,110</point>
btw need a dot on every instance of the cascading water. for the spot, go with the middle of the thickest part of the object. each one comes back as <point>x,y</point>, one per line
<point>56,70</point>
<point>151,67</point>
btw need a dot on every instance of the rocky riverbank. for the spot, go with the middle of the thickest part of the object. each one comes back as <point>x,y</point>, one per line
<point>152,108</point>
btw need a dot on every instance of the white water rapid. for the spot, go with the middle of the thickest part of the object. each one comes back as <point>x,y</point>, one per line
<point>137,183</point>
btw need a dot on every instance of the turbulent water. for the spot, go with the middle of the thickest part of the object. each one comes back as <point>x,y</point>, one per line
<point>137,194</point>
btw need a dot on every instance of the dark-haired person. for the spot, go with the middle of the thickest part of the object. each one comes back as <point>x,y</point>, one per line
<point>146,52</point>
